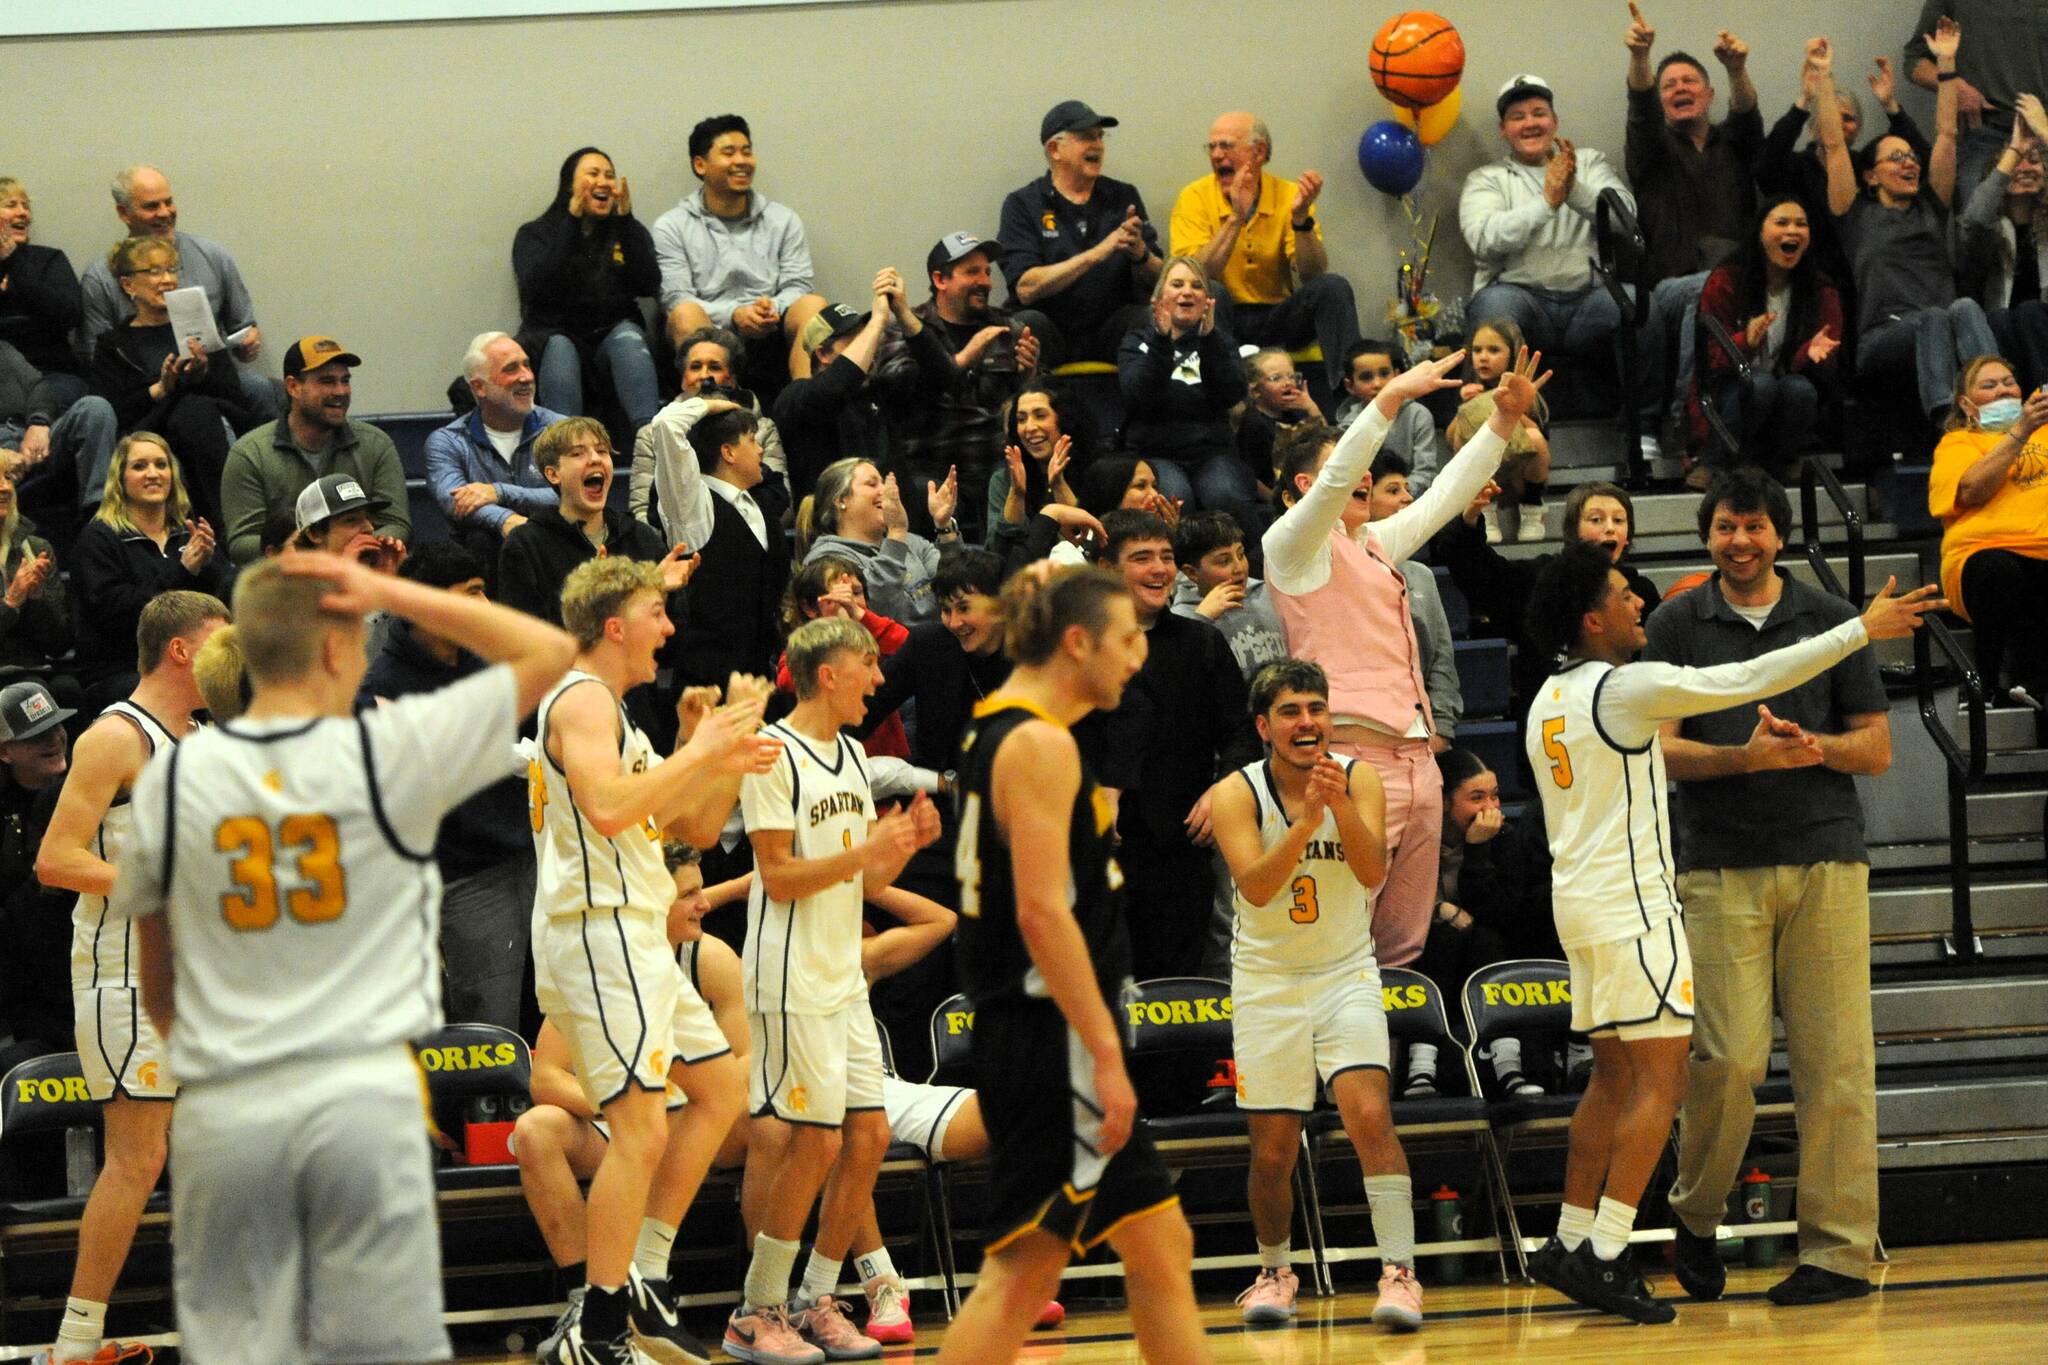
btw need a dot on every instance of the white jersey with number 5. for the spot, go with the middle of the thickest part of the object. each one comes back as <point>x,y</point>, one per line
<point>1604,805</point>
<point>803,956</point>
<point>1322,917</point>
<point>581,870</point>
<point>295,862</point>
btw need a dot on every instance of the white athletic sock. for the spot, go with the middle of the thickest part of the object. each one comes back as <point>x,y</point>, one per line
<point>1574,1226</point>
<point>874,1265</point>
<point>1422,1060</point>
<point>821,1277</point>
<point>767,1284</point>
<point>1279,1256</point>
<point>1393,1218</point>
<point>83,1328</point>
<point>1611,1227</point>
<point>1506,1055</point>
<point>651,1252</point>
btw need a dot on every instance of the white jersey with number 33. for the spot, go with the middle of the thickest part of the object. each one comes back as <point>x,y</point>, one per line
<point>1322,917</point>
<point>295,861</point>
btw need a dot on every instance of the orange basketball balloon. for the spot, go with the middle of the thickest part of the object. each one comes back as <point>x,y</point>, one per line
<point>1417,59</point>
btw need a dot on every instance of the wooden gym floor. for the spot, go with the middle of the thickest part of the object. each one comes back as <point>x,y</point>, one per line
<point>1976,1303</point>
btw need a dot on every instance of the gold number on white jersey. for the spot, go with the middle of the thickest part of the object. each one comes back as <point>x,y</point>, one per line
<point>1305,909</point>
<point>1554,747</point>
<point>536,795</point>
<point>313,844</point>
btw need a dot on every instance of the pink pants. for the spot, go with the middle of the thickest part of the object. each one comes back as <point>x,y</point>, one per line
<point>1403,903</point>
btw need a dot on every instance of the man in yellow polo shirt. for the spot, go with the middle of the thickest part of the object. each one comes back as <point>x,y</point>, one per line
<point>1256,235</point>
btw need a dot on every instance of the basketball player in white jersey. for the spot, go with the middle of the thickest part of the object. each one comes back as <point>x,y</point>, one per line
<point>1593,744</point>
<point>600,803</point>
<point>560,1140</point>
<point>279,870</point>
<point>123,1057</point>
<point>1304,834</point>
<point>819,848</point>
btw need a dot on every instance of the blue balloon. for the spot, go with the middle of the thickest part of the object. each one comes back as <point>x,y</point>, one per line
<point>1391,157</point>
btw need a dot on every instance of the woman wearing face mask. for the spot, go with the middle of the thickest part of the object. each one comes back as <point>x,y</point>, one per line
<point>1990,490</point>
<point>2005,244</point>
<point>1786,321</point>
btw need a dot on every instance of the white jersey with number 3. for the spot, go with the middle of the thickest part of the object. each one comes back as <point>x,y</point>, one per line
<point>102,953</point>
<point>1322,917</point>
<point>581,870</point>
<point>294,860</point>
<point>803,956</point>
<point>1605,808</point>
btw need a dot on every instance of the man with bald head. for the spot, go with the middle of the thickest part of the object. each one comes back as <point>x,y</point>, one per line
<point>1257,237</point>
<point>144,204</point>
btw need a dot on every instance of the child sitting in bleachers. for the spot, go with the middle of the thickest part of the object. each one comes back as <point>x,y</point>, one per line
<point>1518,514</point>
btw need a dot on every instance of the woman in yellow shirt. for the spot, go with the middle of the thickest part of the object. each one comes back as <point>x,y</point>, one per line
<point>1990,490</point>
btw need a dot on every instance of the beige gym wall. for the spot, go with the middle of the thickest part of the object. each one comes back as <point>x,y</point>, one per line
<point>369,179</point>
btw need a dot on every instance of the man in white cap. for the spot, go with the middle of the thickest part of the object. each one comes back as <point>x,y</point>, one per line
<point>1529,221</point>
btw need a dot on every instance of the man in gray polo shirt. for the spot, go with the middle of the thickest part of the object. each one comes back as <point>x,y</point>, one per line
<point>1775,882</point>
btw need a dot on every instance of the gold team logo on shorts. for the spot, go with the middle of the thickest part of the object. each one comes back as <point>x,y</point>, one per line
<point>146,1074</point>
<point>657,1062</point>
<point>799,1100</point>
<point>1685,990</point>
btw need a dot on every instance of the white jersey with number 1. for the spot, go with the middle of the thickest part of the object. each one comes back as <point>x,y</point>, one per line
<point>803,956</point>
<point>294,860</point>
<point>1322,917</point>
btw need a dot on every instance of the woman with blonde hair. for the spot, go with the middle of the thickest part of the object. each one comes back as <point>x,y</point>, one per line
<point>1181,377</point>
<point>144,540</point>
<point>855,512</point>
<point>1989,489</point>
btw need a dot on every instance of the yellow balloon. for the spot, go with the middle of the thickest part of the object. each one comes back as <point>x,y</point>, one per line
<point>1433,123</point>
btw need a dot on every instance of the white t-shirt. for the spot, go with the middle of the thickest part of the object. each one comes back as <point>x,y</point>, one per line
<point>507,442</point>
<point>295,862</point>
<point>803,956</point>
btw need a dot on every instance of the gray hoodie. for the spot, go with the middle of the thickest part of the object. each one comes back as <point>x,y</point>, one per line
<point>899,573</point>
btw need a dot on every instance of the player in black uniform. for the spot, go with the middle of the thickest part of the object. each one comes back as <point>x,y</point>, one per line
<point>1043,956</point>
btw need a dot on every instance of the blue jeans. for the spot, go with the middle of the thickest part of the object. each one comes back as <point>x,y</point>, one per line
<point>1674,306</point>
<point>1322,310</point>
<point>623,354</point>
<point>1772,423</point>
<point>1581,322</point>
<point>1220,483</point>
<point>262,394</point>
<point>81,439</point>
<point>1932,344</point>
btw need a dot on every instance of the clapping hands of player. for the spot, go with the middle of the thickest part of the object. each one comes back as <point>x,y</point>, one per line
<point>1327,785</point>
<point>691,708</point>
<point>1893,617</point>
<point>1779,743</point>
<point>729,740</point>
<point>925,817</point>
<point>891,842</point>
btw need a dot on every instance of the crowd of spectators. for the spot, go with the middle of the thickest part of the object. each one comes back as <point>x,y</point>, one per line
<point>893,460</point>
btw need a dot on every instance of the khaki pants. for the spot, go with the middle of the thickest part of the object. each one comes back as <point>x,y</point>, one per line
<point>1801,935</point>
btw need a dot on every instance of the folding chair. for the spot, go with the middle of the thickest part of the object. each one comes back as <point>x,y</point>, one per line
<point>1519,998</point>
<point>1447,1121</point>
<point>907,1164</point>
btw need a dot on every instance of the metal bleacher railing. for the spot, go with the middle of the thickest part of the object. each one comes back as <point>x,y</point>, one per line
<point>1618,266</point>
